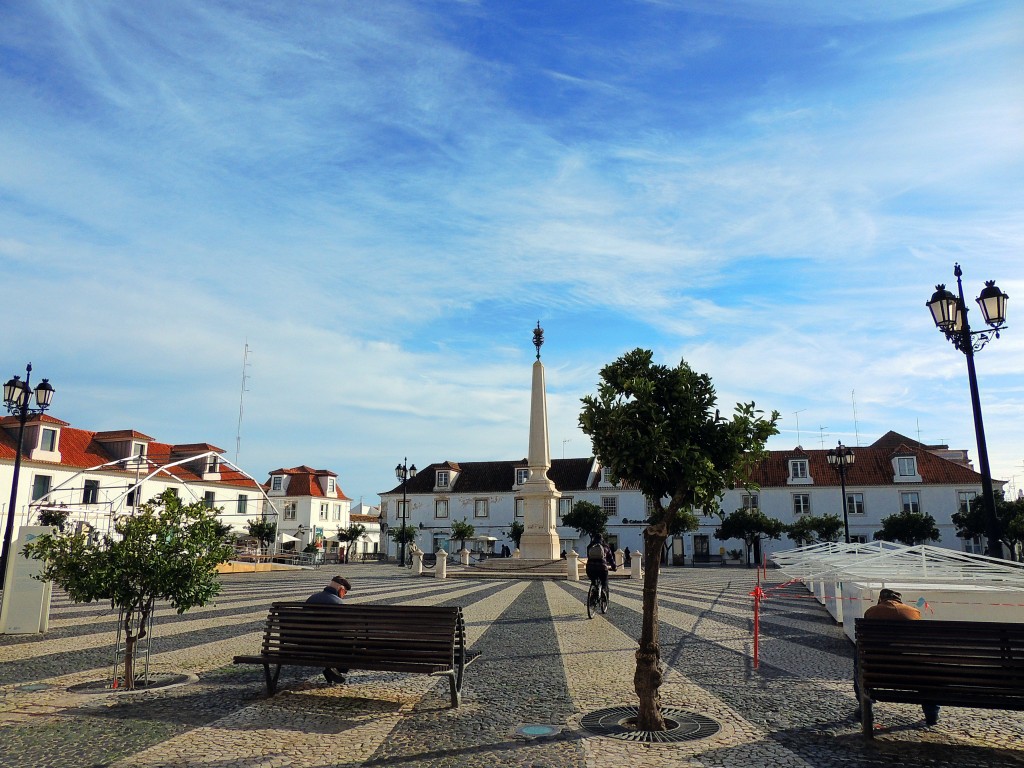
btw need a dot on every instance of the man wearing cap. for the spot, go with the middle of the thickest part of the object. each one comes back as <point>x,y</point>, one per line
<point>333,593</point>
<point>890,606</point>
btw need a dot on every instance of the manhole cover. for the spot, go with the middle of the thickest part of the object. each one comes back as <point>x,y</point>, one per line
<point>156,680</point>
<point>537,730</point>
<point>620,723</point>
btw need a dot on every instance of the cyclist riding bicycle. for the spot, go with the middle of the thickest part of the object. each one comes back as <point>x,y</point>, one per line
<point>599,560</point>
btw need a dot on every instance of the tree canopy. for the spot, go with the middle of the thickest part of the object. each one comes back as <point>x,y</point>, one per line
<point>658,429</point>
<point>352,536</point>
<point>587,518</point>
<point>908,528</point>
<point>403,534</point>
<point>750,525</point>
<point>516,531</point>
<point>970,522</point>
<point>462,530</point>
<point>809,529</point>
<point>166,550</point>
<point>262,529</point>
<point>55,517</point>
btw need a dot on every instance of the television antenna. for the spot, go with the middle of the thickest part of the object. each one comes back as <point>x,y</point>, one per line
<point>241,400</point>
<point>797,415</point>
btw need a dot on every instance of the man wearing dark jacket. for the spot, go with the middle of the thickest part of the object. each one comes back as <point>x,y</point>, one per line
<point>333,593</point>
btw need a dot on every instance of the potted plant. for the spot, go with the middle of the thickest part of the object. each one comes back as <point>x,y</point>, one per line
<point>734,555</point>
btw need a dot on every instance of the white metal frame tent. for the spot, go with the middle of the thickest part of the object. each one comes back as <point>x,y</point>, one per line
<point>85,512</point>
<point>895,562</point>
<point>846,579</point>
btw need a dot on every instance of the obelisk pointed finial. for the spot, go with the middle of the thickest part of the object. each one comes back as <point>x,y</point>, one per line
<point>538,338</point>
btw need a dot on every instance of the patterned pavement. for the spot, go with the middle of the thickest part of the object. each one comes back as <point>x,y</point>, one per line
<point>542,662</point>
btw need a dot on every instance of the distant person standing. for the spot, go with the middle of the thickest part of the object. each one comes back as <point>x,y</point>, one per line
<point>890,606</point>
<point>627,558</point>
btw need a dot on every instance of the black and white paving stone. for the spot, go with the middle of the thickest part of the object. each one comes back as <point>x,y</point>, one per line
<point>542,663</point>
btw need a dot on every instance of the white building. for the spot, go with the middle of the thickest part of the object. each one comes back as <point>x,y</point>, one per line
<point>96,475</point>
<point>891,474</point>
<point>313,507</point>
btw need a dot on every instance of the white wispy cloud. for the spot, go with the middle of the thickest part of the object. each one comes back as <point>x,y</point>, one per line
<point>383,199</point>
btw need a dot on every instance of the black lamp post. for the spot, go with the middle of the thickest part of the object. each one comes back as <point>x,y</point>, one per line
<point>403,472</point>
<point>17,396</point>
<point>840,458</point>
<point>950,315</point>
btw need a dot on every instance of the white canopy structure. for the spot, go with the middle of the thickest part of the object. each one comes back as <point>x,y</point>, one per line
<point>942,583</point>
<point>882,562</point>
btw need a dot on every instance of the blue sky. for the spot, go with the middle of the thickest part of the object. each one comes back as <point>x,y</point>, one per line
<point>382,199</point>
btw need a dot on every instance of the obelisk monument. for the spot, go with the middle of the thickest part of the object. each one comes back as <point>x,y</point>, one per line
<point>540,497</point>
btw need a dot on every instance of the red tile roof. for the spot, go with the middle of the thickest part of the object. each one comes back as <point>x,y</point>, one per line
<point>121,434</point>
<point>80,449</point>
<point>195,448</point>
<point>9,421</point>
<point>303,481</point>
<point>498,476</point>
<point>872,467</point>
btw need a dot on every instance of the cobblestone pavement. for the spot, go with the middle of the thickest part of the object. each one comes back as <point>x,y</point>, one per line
<point>542,662</point>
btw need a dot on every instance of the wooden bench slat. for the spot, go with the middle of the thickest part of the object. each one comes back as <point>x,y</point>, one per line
<point>415,639</point>
<point>951,663</point>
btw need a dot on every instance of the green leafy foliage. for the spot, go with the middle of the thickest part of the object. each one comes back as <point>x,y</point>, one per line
<point>262,529</point>
<point>749,524</point>
<point>167,550</point>
<point>223,530</point>
<point>657,429</point>
<point>908,528</point>
<point>516,531</point>
<point>587,518</point>
<point>462,530</point>
<point>403,534</point>
<point>809,529</point>
<point>352,535</point>
<point>970,522</point>
<point>56,518</point>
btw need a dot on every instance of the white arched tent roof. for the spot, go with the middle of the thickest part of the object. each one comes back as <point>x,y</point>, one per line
<point>883,562</point>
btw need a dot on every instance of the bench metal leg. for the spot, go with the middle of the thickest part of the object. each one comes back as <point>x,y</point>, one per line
<point>867,718</point>
<point>271,679</point>
<point>453,685</point>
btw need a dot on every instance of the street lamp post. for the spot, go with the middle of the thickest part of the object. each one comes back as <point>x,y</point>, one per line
<point>950,315</point>
<point>403,472</point>
<point>17,396</point>
<point>840,458</point>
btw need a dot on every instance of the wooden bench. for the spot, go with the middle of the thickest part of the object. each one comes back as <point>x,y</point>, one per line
<point>408,638</point>
<point>950,663</point>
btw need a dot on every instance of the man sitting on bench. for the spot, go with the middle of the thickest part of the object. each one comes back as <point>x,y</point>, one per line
<point>332,594</point>
<point>890,606</point>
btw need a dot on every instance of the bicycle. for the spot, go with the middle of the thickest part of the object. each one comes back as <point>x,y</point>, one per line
<point>597,598</point>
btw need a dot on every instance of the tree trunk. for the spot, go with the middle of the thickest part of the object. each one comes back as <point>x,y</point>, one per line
<point>648,677</point>
<point>131,641</point>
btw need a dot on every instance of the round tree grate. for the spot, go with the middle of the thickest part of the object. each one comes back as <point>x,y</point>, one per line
<point>620,723</point>
<point>156,680</point>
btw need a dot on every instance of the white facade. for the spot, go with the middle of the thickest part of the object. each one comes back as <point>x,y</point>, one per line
<point>312,507</point>
<point>888,475</point>
<point>96,475</point>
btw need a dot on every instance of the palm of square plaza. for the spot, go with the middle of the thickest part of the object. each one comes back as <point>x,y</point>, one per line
<point>542,663</point>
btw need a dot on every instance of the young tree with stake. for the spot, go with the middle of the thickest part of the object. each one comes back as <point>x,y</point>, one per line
<point>657,428</point>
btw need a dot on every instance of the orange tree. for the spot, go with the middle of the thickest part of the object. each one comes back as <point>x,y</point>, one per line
<point>167,550</point>
<point>657,428</point>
